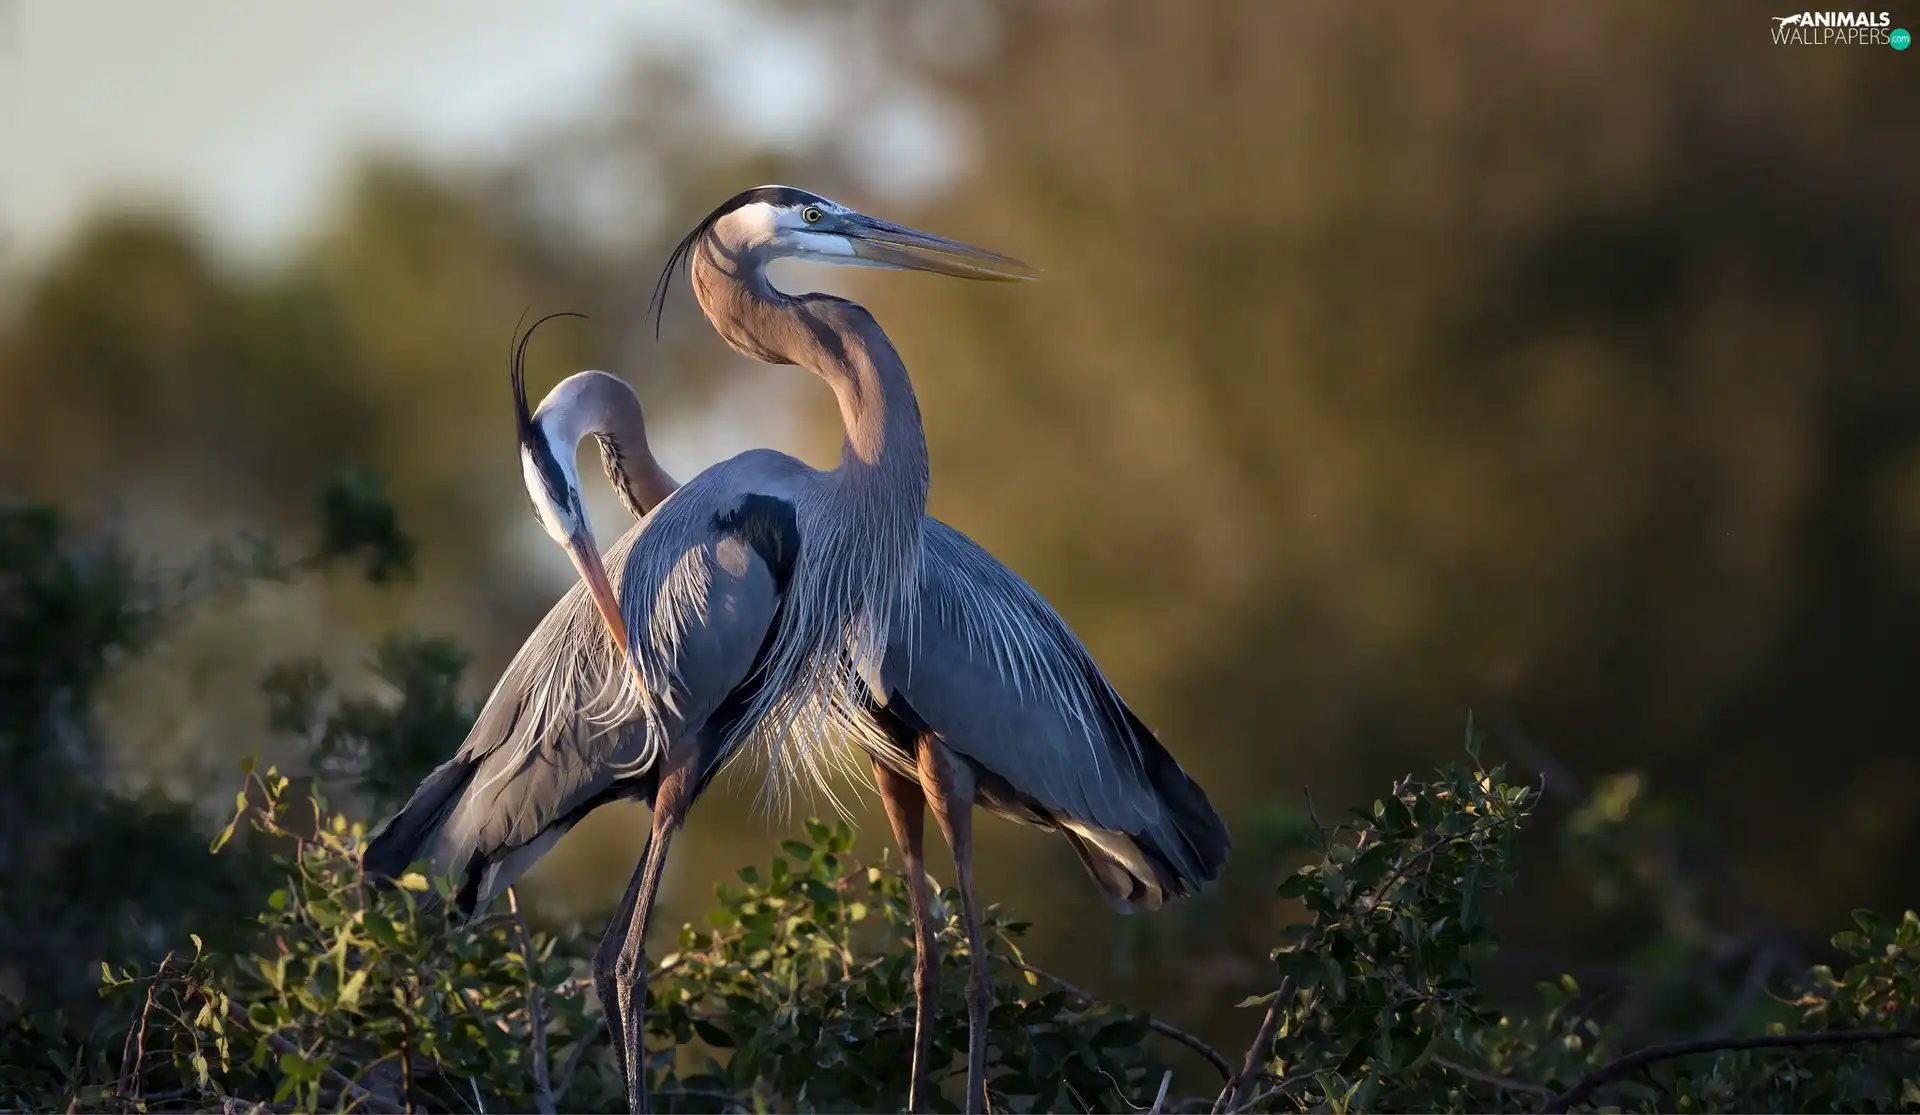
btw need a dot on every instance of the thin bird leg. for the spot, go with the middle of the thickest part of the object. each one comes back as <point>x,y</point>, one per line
<point>670,804</point>
<point>606,960</point>
<point>948,784</point>
<point>906,812</point>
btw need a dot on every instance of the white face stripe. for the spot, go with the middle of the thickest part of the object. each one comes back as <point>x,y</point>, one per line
<point>556,520</point>
<point>782,230</point>
<point>758,223</point>
<point>807,243</point>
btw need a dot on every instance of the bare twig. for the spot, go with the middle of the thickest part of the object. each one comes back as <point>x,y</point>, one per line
<point>1280,1084</point>
<point>536,1014</point>
<point>1380,893</point>
<point>1166,1029</point>
<point>365,1075</point>
<point>1160,1100</point>
<point>1765,959</point>
<point>580,1050</point>
<point>1504,1083</point>
<point>1256,1053</point>
<point>134,1053</point>
<point>1314,816</point>
<point>406,1067</point>
<point>1633,1062</point>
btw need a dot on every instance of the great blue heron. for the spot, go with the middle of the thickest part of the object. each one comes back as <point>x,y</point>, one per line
<point>815,596</point>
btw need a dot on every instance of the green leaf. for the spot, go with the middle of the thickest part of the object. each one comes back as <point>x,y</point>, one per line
<point>1125,1032</point>
<point>1303,967</point>
<point>1336,979</point>
<point>712,1034</point>
<point>412,880</point>
<point>796,849</point>
<point>350,991</point>
<point>1372,864</point>
<point>1851,942</point>
<point>1296,884</point>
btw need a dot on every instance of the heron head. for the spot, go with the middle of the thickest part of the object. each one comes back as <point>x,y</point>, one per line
<point>781,222</point>
<point>800,225</point>
<point>548,447</point>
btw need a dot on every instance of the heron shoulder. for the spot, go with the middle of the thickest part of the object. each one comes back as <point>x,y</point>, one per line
<point>743,505</point>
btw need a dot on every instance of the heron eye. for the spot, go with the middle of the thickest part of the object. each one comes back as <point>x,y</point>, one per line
<point>811,214</point>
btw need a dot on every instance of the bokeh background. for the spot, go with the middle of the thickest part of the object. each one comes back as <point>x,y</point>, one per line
<point>1549,365</point>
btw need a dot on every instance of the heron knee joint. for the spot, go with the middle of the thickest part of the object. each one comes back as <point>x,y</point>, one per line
<point>630,967</point>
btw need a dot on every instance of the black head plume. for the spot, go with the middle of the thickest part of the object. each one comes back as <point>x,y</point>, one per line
<point>517,366</point>
<point>772,195</point>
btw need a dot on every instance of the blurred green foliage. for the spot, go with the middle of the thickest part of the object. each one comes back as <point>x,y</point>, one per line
<point>86,870</point>
<point>379,745</point>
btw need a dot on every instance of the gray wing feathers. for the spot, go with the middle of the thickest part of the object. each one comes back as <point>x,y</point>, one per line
<point>1000,678</point>
<point>547,740</point>
<point>996,672</point>
<point>697,597</point>
<point>566,720</point>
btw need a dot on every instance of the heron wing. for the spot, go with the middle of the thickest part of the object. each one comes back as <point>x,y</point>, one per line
<point>566,729</point>
<point>991,669</point>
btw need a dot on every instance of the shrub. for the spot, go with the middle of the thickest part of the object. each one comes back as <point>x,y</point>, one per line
<point>798,994</point>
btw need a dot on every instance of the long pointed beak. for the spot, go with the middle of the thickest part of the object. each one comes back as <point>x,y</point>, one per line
<point>884,244</point>
<point>586,558</point>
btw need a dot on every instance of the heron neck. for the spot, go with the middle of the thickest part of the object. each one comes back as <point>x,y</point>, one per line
<point>885,446</point>
<point>637,478</point>
<point>597,404</point>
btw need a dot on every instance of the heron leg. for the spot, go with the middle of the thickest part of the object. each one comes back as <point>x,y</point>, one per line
<point>906,806</point>
<point>670,805</point>
<point>949,785</point>
<point>606,960</point>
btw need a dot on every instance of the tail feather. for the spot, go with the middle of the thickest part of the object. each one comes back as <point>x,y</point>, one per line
<point>1121,869</point>
<point>1173,858</point>
<point>1192,839</point>
<point>413,834</point>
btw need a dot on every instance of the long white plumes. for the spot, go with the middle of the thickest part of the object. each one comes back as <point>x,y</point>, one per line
<point>570,680</point>
<point>857,575</point>
<point>1031,648</point>
<point>856,568</point>
<point>1033,653</point>
<point>577,687</point>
